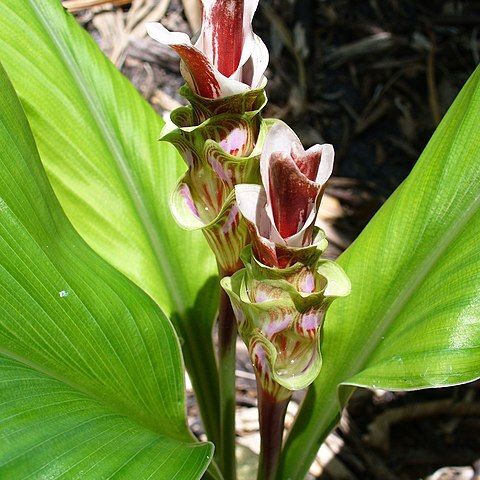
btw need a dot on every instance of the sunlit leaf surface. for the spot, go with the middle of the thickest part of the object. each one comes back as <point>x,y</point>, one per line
<point>97,139</point>
<point>91,380</point>
<point>413,318</point>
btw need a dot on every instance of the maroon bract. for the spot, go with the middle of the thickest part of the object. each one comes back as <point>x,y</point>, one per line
<point>228,58</point>
<point>281,214</point>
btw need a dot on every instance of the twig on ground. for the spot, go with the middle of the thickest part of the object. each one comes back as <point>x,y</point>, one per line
<point>379,429</point>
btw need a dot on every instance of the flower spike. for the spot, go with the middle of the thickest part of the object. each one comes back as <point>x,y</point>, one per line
<point>281,296</point>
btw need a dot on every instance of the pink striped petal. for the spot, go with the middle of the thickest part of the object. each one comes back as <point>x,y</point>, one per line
<point>228,58</point>
<point>292,195</point>
<point>222,34</point>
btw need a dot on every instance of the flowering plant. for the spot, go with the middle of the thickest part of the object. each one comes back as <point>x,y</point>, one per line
<point>97,326</point>
<point>281,297</point>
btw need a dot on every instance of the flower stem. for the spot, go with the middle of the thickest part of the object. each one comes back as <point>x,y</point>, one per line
<point>271,417</point>
<point>227,335</point>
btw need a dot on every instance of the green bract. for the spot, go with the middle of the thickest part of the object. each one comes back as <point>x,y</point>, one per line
<point>280,315</point>
<point>220,152</point>
<point>204,108</point>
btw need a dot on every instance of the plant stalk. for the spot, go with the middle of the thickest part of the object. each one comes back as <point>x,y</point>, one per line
<point>227,335</point>
<point>202,369</point>
<point>271,418</point>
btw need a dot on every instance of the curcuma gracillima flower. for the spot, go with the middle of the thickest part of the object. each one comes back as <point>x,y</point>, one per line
<point>281,214</point>
<point>281,296</point>
<point>227,58</point>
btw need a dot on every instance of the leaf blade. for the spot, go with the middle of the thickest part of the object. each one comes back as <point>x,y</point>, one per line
<point>113,177</point>
<point>40,416</point>
<point>71,323</point>
<point>413,319</point>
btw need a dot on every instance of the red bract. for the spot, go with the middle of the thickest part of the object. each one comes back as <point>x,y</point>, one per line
<point>221,37</point>
<point>281,214</point>
<point>228,58</point>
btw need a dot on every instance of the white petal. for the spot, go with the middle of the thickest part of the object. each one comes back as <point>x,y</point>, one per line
<point>249,8</point>
<point>229,86</point>
<point>251,201</point>
<point>326,162</point>
<point>260,57</point>
<point>159,33</point>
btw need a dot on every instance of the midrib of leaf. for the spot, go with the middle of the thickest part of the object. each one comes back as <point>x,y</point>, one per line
<point>136,198</point>
<point>60,378</point>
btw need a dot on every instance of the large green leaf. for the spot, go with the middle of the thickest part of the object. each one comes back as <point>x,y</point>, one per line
<point>413,318</point>
<point>97,139</point>
<point>91,377</point>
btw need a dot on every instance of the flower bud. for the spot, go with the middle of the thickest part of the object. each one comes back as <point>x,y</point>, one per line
<point>227,58</point>
<point>281,214</point>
